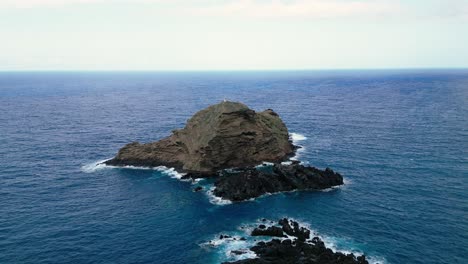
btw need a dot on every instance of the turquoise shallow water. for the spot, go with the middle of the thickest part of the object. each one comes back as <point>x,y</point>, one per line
<point>400,139</point>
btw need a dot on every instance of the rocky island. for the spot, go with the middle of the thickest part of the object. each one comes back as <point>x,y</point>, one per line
<point>290,243</point>
<point>229,135</point>
<point>224,135</point>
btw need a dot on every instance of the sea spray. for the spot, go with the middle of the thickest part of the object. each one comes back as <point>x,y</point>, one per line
<point>235,245</point>
<point>100,165</point>
<point>297,138</point>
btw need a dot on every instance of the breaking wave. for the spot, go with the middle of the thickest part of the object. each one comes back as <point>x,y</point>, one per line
<point>100,165</point>
<point>235,245</point>
<point>296,139</point>
<point>215,199</point>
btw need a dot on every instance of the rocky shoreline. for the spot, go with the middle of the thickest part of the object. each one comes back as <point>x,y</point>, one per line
<point>289,243</point>
<point>245,184</point>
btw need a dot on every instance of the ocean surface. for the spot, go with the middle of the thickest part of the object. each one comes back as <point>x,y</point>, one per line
<point>400,139</point>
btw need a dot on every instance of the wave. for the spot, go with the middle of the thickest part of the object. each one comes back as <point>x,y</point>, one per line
<point>296,139</point>
<point>100,165</point>
<point>226,247</point>
<point>342,245</point>
<point>265,163</point>
<point>240,241</point>
<point>171,172</point>
<point>215,199</point>
<point>220,201</point>
<point>95,166</point>
<point>347,246</point>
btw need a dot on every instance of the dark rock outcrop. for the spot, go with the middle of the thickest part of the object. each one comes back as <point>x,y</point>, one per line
<point>249,183</point>
<point>298,250</point>
<point>292,228</point>
<point>270,231</point>
<point>224,135</point>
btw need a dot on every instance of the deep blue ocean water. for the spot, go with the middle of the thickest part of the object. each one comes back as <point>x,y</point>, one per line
<point>400,138</point>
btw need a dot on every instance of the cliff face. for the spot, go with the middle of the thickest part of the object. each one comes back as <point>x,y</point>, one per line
<point>225,135</point>
<point>247,183</point>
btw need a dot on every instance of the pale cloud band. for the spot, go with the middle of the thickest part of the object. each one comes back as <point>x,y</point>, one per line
<point>300,8</point>
<point>248,8</point>
<point>266,8</point>
<point>232,34</point>
<point>61,3</point>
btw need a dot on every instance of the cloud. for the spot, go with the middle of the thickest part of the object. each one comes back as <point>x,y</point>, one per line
<point>40,3</point>
<point>60,3</point>
<point>452,8</point>
<point>274,8</point>
<point>299,8</point>
<point>251,8</point>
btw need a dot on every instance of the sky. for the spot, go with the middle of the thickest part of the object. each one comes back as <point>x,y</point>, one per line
<point>232,34</point>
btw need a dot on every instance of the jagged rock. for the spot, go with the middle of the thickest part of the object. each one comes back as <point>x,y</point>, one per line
<point>249,183</point>
<point>300,232</point>
<point>289,251</point>
<point>225,135</point>
<point>270,231</point>
<point>238,252</point>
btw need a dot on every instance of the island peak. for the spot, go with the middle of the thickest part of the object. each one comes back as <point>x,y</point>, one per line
<point>224,135</point>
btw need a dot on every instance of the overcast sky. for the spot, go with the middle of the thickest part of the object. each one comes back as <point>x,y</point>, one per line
<point>232,34</point>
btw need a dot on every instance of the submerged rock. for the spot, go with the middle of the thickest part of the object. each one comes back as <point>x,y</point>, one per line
<point>297,249</point>
<point>249,183</point>
<point>225,135</point>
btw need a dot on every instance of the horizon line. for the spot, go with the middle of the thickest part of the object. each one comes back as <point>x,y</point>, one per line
<point>236,70</point>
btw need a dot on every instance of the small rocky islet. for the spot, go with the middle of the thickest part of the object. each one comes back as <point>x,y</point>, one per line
<point>290,244</point>
<point>227,141</point>
<point>222,136</point>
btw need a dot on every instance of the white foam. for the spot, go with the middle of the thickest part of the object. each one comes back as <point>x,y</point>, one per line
<point>215,199</point>
<point>335,244</point>
<point>99,165</point>
<point>171,172</point>
<point>265,163</point>
<point>94,166</point>
<point>347,181</point>
<point>226,246</point>
<point>376,260</point>
<point>297,154</point>
<point>296,137</point>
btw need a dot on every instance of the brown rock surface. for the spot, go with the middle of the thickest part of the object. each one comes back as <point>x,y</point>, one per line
<point>225,135</point>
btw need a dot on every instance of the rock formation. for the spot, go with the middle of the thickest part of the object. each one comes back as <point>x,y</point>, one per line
<point>224,135</point>
<point>230,135</point>
<point>249,183</point>
<point>297,248</point>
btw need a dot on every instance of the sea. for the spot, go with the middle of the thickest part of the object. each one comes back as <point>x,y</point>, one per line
<point>398,137</point>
